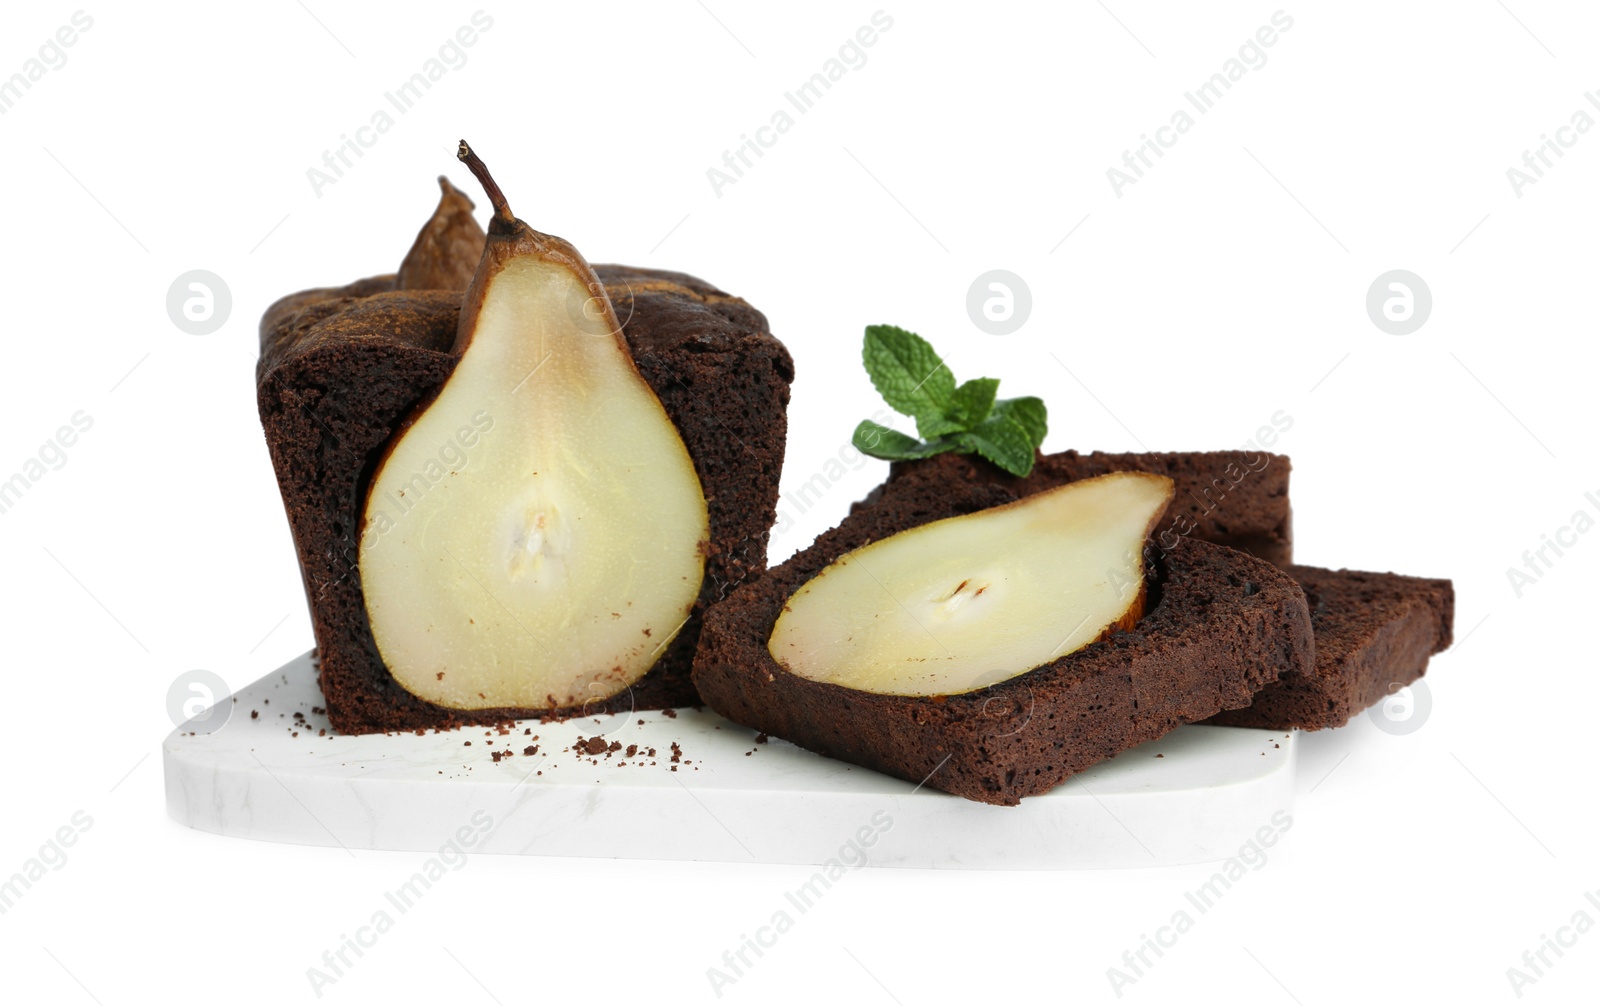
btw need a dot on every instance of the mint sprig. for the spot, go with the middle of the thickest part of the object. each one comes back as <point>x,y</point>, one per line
<point>968,418</point>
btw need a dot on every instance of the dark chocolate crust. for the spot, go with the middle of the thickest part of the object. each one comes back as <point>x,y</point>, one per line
<point>341,368</point>
<point>1374,633</point>
<point>1234,498</point>
<point>1220,627</point>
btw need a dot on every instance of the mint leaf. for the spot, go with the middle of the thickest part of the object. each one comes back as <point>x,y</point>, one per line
<point>929,427</point>
<point>908,374</point>
<point>913,379</point>
<point>1003,441</point>
<point>973,401</point>
<point>878,441</point>
<point>1029,413</point>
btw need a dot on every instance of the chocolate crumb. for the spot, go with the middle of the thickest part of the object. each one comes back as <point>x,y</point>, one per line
<point>255,714</point>
<point>592,746</point>
<point>670,714</point>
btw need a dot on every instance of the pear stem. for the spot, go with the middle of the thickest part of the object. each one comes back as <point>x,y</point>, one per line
<point>503,217</point>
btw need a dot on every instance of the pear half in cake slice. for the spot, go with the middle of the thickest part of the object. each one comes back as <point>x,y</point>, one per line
<point>963,603</point>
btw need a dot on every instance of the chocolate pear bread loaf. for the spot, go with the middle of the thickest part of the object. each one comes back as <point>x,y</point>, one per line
<point>1234,498</point>
<point>1219,627</point>
<point>1374,634</point>
<point>341,369</point>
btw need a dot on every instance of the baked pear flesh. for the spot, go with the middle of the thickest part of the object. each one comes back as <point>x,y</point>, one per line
<point>535,535</point>
<point>959,604</point>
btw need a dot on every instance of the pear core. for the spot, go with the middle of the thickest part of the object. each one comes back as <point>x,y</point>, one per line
<point>959,604</point>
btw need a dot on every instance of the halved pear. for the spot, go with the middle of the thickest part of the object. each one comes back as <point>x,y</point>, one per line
<point>534,535</point>
<point>966,602</point>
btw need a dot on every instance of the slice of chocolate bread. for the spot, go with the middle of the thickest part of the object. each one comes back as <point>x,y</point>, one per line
<point>1234,498</point>
<point>341,367</point>
<point>1374,634</point>
<point>1221,626</point>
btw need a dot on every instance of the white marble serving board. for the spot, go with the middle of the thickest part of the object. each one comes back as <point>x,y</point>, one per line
<point>1195,795</point>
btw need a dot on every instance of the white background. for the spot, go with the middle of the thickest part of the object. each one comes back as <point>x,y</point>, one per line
<point>1226,285</point>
